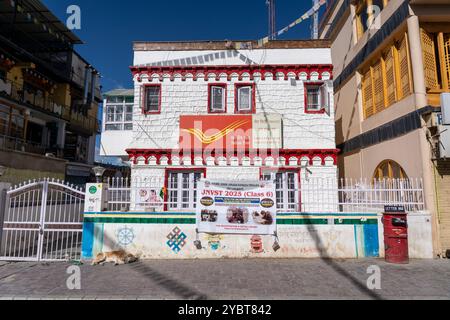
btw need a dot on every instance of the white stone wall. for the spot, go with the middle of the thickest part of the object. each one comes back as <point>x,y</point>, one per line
<point>300,130</point>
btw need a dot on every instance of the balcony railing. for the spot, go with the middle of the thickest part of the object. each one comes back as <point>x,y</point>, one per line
<point>16,92</point>
<point>17,144</point>
<point>39,101</point>
<point>88,123</point>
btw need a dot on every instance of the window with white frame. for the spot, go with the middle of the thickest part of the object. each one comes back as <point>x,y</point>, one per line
<point>182,190</point>
<point>217,98</point>
<point>287,189</point>
<point>119,114</point>
<point>244,98</point>
<point>152,99</point>
<point>317,97</point>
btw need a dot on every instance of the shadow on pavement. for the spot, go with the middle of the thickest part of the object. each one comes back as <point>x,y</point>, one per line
<point>172,285</point>
<point>338,269</point>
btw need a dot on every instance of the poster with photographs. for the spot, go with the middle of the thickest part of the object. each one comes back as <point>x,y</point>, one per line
<point>236,207</point>
<point>148,199</point>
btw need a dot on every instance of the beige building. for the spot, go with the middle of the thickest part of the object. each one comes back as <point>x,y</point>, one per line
<point>391,63</point>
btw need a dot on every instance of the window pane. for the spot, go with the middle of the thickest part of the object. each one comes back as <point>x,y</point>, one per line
<point>313,93</point>
<point>217,98</point>
<point>128,126</point>
<point>113,127</point>
<point>152,98</point>
<point>244,98</point>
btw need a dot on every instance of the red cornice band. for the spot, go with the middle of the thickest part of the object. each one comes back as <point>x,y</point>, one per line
<point>287,154</point>
<point>200,71</point>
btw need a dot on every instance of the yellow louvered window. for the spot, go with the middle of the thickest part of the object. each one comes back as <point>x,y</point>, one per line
<point>378,86</point>
<point>429,60</point>
<point>391,92</point>
<point>367,90</point>
<point>446,58</point>
<point>404,68</point>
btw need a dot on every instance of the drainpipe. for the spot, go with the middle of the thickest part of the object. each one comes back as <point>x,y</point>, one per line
<point>93,85</point>
<point>86,84</point>
<point>420,93</point>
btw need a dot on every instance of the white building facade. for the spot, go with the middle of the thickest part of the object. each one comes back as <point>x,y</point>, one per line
<point>214,110</point>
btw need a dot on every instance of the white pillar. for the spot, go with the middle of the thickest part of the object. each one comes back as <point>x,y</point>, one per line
<point>418,73</point>
<point>420,93</point>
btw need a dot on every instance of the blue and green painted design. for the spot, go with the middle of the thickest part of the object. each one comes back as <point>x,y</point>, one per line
<point>189,218</point>
<point>365,225</point>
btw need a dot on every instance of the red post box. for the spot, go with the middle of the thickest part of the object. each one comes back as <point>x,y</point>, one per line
<point>395,223</point>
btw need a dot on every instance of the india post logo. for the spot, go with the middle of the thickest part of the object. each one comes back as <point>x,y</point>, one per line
<point>93,190</point>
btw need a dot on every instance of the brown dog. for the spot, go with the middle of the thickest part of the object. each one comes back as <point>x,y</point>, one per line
<point>118,257</point>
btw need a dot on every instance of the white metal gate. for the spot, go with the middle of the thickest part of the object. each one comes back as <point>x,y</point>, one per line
<point>43,221</point>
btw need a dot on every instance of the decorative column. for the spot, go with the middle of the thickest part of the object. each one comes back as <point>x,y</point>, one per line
<point>421,100</point>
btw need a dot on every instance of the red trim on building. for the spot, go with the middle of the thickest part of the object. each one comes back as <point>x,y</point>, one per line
<point>236,97</point>
<point>306,84</point>
<point>311,154</point>
<point>229,70</point>
<point>144,98</point>
<point>222,85</point>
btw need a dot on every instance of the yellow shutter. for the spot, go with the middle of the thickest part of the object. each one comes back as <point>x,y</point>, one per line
<point>447,56</point>
<point>391,94</point>
<point>429,60</point>
<point>378,86</point>
<point>404,68</point>
<point>367,94</point>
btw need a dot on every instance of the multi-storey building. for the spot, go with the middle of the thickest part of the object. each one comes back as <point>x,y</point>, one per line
<point>222,111</point>
<point>391,63</point>
<point>49,97</point>
<point>117,124</point>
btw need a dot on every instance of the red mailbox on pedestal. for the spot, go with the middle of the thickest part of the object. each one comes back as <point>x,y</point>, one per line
<point>395,223</point>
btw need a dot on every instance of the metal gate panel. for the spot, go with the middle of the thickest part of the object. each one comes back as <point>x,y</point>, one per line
<point>43,222</point>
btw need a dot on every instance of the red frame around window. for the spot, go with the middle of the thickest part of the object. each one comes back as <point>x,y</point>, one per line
<point>177,170</point>
<point>144,98</point>
<point>306,85</point>
<point>237,86</point>
<point>263,170</point>
<point>222,85</point>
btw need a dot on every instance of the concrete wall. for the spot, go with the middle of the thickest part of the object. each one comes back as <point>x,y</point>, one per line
<point>26,166</point>
<point>301,235</point>
<point>165,236</point>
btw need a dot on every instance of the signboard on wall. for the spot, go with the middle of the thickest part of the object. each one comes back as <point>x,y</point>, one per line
<point>236,207</point>
<point>231,131</point>
<point>95,200</point>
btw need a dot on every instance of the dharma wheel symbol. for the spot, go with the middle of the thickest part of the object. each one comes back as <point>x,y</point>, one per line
<point>125,236</point>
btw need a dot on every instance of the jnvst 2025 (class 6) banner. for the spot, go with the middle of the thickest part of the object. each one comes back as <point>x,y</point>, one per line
<point>236,207</point>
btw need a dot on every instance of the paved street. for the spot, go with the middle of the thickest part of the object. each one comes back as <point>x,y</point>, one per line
<point>229,279</point>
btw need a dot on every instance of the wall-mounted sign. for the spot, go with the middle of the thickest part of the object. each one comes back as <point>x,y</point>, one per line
<point>236,207</point>
<point>95,200</point>
<point>230,132</point>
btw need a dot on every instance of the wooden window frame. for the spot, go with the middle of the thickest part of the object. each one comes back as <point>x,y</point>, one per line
<point>237,87</point>
<point>179,202</point>
<point>315,84</point>
<point>211,86</point>
<point>144,99</point>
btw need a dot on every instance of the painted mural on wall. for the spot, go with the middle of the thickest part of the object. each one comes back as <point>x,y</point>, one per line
<point>166,240</point>
<point>125,236</point>
<point>177,240</point>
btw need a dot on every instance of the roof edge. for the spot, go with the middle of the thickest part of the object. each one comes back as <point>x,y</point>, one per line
<point>227,45</point>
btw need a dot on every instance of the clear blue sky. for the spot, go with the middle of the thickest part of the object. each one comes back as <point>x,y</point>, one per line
<point>108,27</point>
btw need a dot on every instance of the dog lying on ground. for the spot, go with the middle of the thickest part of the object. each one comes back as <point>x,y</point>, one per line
<point>117,257</point>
